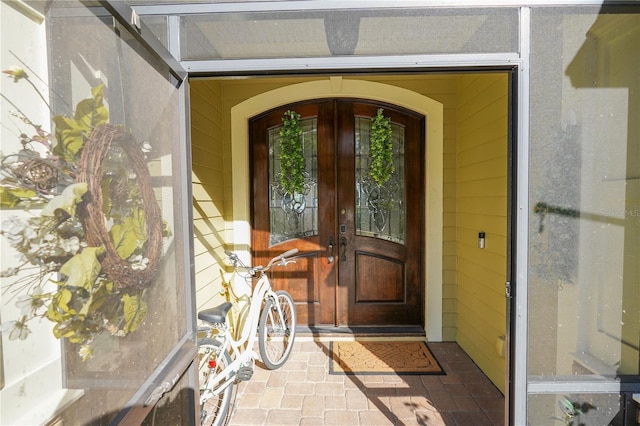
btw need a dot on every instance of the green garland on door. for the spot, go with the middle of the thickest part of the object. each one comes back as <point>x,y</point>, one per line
<point>291,154</point>
<point>381,149</point>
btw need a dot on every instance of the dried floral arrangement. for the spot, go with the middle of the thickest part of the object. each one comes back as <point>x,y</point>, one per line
<point>89,256</point>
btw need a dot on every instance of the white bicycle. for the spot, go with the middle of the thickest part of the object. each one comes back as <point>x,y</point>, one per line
<point>225,359</point>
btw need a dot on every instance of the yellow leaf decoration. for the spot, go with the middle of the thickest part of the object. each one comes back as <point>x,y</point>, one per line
<point>129,235</point>
<point>105,187</point>
<point>96,299</point>
<point>72,132</point>
<point>70,136</point>
<point>83,268</point>
<point>53,314</point>
<point>59,309</point>
<point>99,296</point>
<point>91,112</point>
<point>65,203</point>
<point>135,309</point>
<point>10,197</point>
<point>139,225</point>
<point>71,330</point>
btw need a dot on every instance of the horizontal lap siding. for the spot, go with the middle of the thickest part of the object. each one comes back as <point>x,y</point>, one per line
<point>209,180</point>
<point>481,177</point>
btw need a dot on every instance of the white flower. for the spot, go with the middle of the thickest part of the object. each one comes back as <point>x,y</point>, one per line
<point>13,228</point>
<point>34,248</point>
<point>85,352</point>
<point>138,263</point>
<point>13,225</point>
<point>30,233</point>
<point>16,329</point>
<point>30,303</point>
<point>72,245</point>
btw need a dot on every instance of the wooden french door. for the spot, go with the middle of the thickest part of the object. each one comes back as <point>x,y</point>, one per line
<point>361,243</point>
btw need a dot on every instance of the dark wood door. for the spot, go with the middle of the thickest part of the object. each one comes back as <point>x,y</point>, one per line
<point>361,256</point>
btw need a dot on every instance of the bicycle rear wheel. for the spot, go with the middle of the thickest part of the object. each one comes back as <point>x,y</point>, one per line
<point>214,409</point>
<point>276,334</point>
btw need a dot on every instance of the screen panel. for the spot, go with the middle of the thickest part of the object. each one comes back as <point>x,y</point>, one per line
<point>584,189</point>
<point>319,33</point>
<point>103,244</point>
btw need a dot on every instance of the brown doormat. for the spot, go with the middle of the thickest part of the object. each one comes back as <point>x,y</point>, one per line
<point>377,357</point>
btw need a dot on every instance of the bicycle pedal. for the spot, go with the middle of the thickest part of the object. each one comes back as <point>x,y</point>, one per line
<point>244,373</point>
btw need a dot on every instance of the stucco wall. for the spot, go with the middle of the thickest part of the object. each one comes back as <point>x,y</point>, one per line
<point>481,176</point>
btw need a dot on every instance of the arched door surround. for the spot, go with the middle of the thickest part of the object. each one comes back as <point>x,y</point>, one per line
<point>339,87</point>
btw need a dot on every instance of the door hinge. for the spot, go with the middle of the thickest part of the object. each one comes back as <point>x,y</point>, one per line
<point>507,289</point>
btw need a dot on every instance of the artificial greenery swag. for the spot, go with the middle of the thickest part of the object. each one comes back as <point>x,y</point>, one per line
<point>381,149</point>
<point>291,154</point>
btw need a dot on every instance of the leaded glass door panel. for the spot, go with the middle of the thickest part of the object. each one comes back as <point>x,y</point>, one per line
<point>303,219</point>
<point>380,226</point>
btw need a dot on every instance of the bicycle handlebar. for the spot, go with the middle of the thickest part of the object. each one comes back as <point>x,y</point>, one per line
<point>280,259</point>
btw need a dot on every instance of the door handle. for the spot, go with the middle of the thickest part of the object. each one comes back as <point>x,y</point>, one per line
<point>343,249</point>
<point>330,257</point>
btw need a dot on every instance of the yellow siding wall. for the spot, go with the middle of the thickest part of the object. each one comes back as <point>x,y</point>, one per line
<point>209,177</point>
<point>482,206</point>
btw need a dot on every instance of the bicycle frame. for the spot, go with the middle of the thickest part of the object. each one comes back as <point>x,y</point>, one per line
<point>241,350</point>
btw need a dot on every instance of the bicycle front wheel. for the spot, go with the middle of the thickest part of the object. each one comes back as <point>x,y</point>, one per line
<point>214,409</point>
<point>277,330</point>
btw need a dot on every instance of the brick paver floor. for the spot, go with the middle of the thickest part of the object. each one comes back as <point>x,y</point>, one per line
<point>303,392</point>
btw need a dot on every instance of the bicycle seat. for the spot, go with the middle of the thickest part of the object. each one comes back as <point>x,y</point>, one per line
<point>217,314</point>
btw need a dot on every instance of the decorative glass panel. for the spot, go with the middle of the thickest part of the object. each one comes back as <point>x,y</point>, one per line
<point>380,209</point>
<point>294,215</point>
